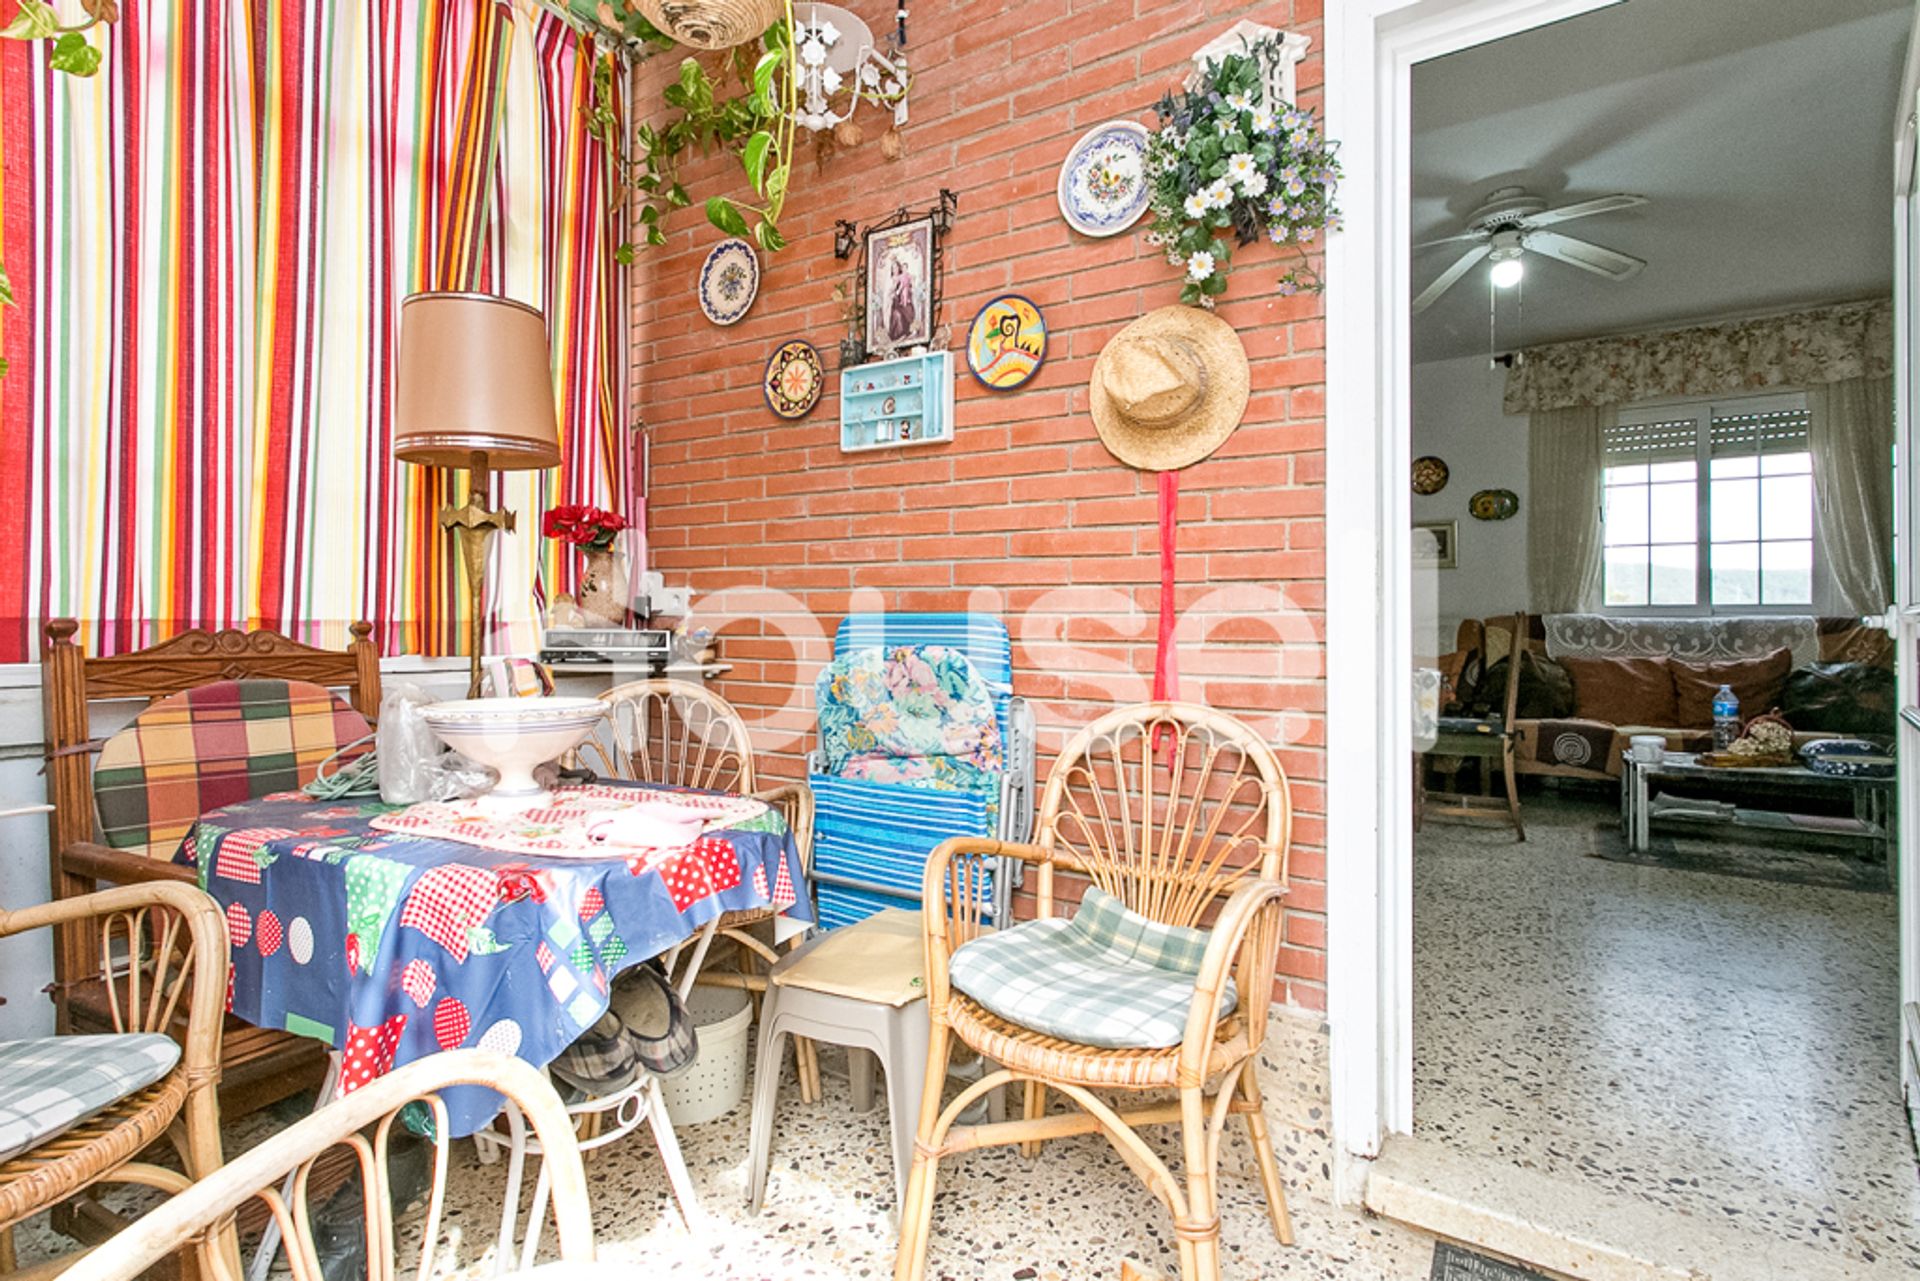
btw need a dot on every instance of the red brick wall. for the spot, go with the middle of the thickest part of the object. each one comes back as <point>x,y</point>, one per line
<point>1025,514</point>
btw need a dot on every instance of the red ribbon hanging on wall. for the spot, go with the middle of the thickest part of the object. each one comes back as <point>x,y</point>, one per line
<point>1166,669</point>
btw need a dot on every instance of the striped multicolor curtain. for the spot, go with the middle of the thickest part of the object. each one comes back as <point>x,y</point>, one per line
<point>210,241</point>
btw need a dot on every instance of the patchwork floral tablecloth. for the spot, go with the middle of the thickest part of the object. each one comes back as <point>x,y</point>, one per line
<point>390,947</point>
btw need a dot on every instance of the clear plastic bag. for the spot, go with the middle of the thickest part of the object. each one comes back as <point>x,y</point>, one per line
<point>414,765</point>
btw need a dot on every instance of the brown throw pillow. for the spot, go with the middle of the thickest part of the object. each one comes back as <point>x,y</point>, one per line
<point>1756,682</point>
<point>1622,691</point>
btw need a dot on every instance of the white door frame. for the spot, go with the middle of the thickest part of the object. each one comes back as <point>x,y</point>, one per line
<point>1372,46</point>
<point>1906,401</point>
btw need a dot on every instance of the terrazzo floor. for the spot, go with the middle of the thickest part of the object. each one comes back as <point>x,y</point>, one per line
<point>1073,1214</point>
<point>1711,1044</point>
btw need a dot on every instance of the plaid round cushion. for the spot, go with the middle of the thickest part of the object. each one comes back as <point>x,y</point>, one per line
<point>1109,977</point>
<point>50,1084</point>
<point>210,746</point>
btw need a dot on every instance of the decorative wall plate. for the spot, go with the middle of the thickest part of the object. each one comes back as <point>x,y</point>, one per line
<point>729,279</point>
<point>794,379</point>
<point>1103,183</point>
<point>1007,342</point>
<point>1429,474</point>
<point>1493,504</point>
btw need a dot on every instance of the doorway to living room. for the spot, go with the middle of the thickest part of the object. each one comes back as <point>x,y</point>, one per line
<point>1655,924</point>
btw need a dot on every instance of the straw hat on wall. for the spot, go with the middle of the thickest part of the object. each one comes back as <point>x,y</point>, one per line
<point>1169,388</point>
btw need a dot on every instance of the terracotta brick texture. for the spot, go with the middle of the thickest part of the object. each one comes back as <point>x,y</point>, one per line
<point>1025,515</point>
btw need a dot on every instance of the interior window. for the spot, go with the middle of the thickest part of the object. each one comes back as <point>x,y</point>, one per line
<point>1709,507</point>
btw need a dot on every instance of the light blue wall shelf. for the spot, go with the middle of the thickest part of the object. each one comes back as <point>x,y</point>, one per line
<point>889,404</point>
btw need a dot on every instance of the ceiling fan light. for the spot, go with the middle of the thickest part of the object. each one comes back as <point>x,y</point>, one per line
<point>1507,273</point>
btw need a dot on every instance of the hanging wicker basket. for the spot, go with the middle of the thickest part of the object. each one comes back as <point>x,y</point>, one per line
<point>712,24</point>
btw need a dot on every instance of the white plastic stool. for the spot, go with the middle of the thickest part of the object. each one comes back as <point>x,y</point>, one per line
<point>860,987</point>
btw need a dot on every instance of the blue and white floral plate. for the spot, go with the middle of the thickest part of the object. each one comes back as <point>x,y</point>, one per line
<point>1103,184</point>
<point>729,280</point>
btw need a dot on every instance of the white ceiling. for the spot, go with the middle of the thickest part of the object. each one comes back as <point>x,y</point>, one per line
<point>1760,131</point>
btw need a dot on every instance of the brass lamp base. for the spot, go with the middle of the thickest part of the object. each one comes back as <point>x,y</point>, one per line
<point>473,525</point>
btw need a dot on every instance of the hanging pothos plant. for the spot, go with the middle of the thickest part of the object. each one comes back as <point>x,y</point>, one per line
<point>746,106</point>
<point>1226,163</point>
<point>71,53</point>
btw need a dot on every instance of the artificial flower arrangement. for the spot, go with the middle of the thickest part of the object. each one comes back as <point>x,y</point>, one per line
<point>583,526</point>
<point>1223,160</point>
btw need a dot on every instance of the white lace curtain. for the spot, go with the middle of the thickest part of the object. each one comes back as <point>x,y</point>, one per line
<point>1850,424</point>
<point>1563,522</point>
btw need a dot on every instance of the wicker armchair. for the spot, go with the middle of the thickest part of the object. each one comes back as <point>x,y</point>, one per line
<point>281,1171</point>
<point>164,950</point>
<point>1174,810</point>
<point>679,734</point>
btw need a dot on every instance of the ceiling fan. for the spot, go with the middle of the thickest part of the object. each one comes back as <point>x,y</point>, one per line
<point>1514,222</point>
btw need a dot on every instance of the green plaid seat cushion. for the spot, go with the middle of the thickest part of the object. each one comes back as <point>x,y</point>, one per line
<point>214,745</point>
<point>50,1084</point>
<point>1108,977</point>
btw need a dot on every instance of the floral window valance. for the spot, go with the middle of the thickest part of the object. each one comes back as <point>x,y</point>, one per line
<point>1828,344</point>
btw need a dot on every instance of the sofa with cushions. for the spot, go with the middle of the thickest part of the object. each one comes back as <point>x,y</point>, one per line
<point>1589,682</point>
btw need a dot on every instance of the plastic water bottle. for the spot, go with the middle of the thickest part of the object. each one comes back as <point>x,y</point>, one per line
<point>1726,719</point>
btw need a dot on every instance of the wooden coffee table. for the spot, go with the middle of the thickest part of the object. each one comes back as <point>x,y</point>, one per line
<point>1871,800</point>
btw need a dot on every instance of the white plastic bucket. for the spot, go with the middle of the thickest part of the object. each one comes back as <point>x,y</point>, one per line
<point>716,1081</point>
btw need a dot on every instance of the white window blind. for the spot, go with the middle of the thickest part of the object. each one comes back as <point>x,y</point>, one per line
<point>1625,443</point>
<point>1777,432</point>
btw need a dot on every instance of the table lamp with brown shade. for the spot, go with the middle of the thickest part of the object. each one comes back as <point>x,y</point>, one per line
<point>474,390</point>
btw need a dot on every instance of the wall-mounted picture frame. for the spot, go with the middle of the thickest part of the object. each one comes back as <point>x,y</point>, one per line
<point>1434,544</point>
<point>899,287</point>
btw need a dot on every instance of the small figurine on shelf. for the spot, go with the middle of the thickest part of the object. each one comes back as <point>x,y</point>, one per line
<point>602,596</point>
<point>693,644</point>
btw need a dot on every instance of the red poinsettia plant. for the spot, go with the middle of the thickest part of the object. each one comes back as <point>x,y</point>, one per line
<point>583,526</point>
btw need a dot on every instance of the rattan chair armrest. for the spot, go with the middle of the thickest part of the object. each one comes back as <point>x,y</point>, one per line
<point>207,944</point>
<point>949,912</point>
<point>794,800</point>
<point>1251,915</point>
<point>121,867</point>
<point>161,1231</point>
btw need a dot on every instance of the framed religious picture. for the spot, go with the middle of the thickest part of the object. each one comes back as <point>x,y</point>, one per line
<point>899,287</point>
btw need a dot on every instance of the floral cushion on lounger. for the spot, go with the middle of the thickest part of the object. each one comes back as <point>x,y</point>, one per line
<point>1108,977</point>
<point>50,1084</point>
<point>909,714</point>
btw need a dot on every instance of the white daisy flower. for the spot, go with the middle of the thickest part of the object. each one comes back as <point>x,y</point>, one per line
<point>1254,184</point>
<point>1196,205</point>
<point>1262,120</point>
<point>1239,165</point>
<point>1218,194</point>
<point>1200,266</point>
<point>1240,101</point>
